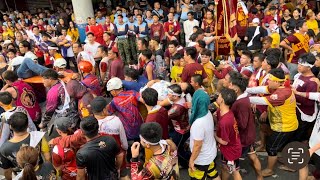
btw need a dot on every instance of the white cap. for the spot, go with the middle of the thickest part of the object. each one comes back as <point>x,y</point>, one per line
<point>256,20</point>
<point>60,63</point>
<point>6,42</point>
<point>114,83</point>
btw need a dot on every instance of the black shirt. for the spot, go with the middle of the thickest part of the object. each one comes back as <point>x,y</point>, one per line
<point>46,171</point>
<point>8,154</point>
<point>292,23</point>
<point>98,156</point>
<point>256,43</point>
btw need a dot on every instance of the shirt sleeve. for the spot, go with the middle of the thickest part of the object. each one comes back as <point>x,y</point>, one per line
<point>5,133</point>
<point>276,99</point>
<point>5,162</point>
<point>314,96</point>
<point>111,108</point>
<point>80,160</point>
<point>197,135</point>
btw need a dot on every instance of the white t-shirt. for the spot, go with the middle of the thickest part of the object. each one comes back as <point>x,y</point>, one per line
<point>30,55</point>
<point>188,28</point>
<point>203,129</point>
<point>69,51</point>
<point>315,136</point>
<point>112,125</point>
<point>91,49</point>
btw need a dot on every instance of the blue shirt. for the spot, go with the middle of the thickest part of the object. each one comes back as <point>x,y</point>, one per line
<point>135,85</point>
<point>121,30</point>
<point>142,29</point>
<point>101,21</point>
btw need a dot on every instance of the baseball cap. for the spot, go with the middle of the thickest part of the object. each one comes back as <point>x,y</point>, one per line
<point>63,124</point>
<point>60,63</point>
<point>256,20</point>
<point>98,104</point>
<point>114,83</point>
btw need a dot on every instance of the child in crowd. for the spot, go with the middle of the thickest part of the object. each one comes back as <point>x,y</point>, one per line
<point>177,69</point>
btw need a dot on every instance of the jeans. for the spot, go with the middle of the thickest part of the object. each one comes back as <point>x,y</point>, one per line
<point>29,68</point>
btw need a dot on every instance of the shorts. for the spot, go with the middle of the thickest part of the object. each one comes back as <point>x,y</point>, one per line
<point>315,160</point>
<point>204,172</point>
<point>225,162</point>
<point>278,140</point>
<point>304,129</point>
<point>248,150</point>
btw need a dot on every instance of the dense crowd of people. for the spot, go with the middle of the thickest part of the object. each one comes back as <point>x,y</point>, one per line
<point>147,93</point>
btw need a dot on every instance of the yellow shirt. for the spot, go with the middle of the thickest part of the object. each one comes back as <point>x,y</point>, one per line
<point>313,24</point>
<point>176,72</point>
<point>282,110</point>
<point>112,18</point>
<point>275,40</point>
<point>208,69</point>
<point>74,34</point>
<point>8,35</point>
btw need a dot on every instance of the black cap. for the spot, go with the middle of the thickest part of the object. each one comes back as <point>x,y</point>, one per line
<point>98,104</point>
<point>63,124</point>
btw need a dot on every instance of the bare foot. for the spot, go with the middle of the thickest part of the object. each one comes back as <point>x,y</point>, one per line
<point>267,172</point>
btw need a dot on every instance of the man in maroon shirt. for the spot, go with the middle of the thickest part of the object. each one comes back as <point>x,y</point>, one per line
<point>241,109</point>
<point>306,109</point>
<point>172,28</point>
<point>117,66</point>
<point>156,28</point>
<point>156,113</point>
<point>192,67</point>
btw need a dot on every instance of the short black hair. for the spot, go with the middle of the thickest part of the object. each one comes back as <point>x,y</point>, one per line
<point>175,88</point>
<point>90,33</point>
<point>191,51</point>
<point>260,56</point>
<point>198,79</point>
<point>273,51</point>
<point>229,96</point>
<point>147,53</point>
<point>35,27</point>
<point>5,98</point>
<point>151,131</point>
<point>18,122</point>
<point>267,39</point>
<point>173,42</point>
<point>277,72</point>
<point>26,44</point>
<point>247,53</point>
<point>189,90</point>
<point>143,41</point>
<point>132,73</point>
<point>98,104</point>
<point>202,43</point>
<point>10,76</point>
<point>14,51</point>
<point>156,38</point>
<point>191,13</point>
<point>90,126</point>
<point>103,48</point>
<point>177,56</point>
<point>307,57</point>
<point>273,61</point>
<point>238,80</point>
<point>150,96</point>
<point>300,24</point>
<point>241,46</point>
<point>50,74</point>
<point>206,52</point>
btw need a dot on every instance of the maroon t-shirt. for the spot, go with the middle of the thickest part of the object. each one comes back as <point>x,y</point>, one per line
<point>304,84</point>
<point>245,119</point>
<point>228,131</point>
<point>160,116</point>
<point>191,69</point>
<point>116,69</point>
<point>157,30</point>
